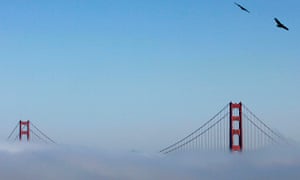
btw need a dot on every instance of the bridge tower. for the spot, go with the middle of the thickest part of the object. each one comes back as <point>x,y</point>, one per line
<point>24,129</point>
<point>235,127</point>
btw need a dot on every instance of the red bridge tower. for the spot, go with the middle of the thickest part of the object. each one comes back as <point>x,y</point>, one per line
<point>236,130</point>
<point>24,129</point>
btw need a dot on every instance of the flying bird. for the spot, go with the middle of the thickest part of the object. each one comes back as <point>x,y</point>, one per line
<point>280,25</point>
<point>242,8</point>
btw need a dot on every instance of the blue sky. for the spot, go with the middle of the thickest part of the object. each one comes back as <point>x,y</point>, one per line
<point>140,74</point>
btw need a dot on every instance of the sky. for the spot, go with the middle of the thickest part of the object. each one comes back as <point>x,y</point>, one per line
<point>142,74</point>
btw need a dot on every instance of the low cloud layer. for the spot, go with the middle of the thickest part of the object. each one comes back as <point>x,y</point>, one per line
<point>32,162</point>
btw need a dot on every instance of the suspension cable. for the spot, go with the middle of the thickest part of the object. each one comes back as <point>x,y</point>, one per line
<point>12,132</point>
<point>192,139</point>
<point>263,123</point>
<point>260,129</point>
<point>195,130</point>
<point>43,133</point>
<point>38,136</point>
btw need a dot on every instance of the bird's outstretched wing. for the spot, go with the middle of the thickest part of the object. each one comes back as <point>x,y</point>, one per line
<point>241,7</point>
<point>280,25</point>
<point>277,21</point>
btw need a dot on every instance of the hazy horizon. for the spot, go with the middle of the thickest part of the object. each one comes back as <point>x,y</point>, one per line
<point>71,162</point>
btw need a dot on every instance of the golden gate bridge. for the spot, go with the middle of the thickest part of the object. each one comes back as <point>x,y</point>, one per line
<point>30,131</point>
<point>235,127</point>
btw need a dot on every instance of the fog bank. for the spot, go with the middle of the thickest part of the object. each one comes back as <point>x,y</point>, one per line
<point>77,163</point>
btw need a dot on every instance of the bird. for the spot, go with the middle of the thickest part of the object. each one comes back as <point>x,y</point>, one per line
<point>242,8</point>
<point>280,25</point>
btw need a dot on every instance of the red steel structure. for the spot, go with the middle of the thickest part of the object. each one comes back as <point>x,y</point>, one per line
<point>236,130</point>
<point>24,129</point>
